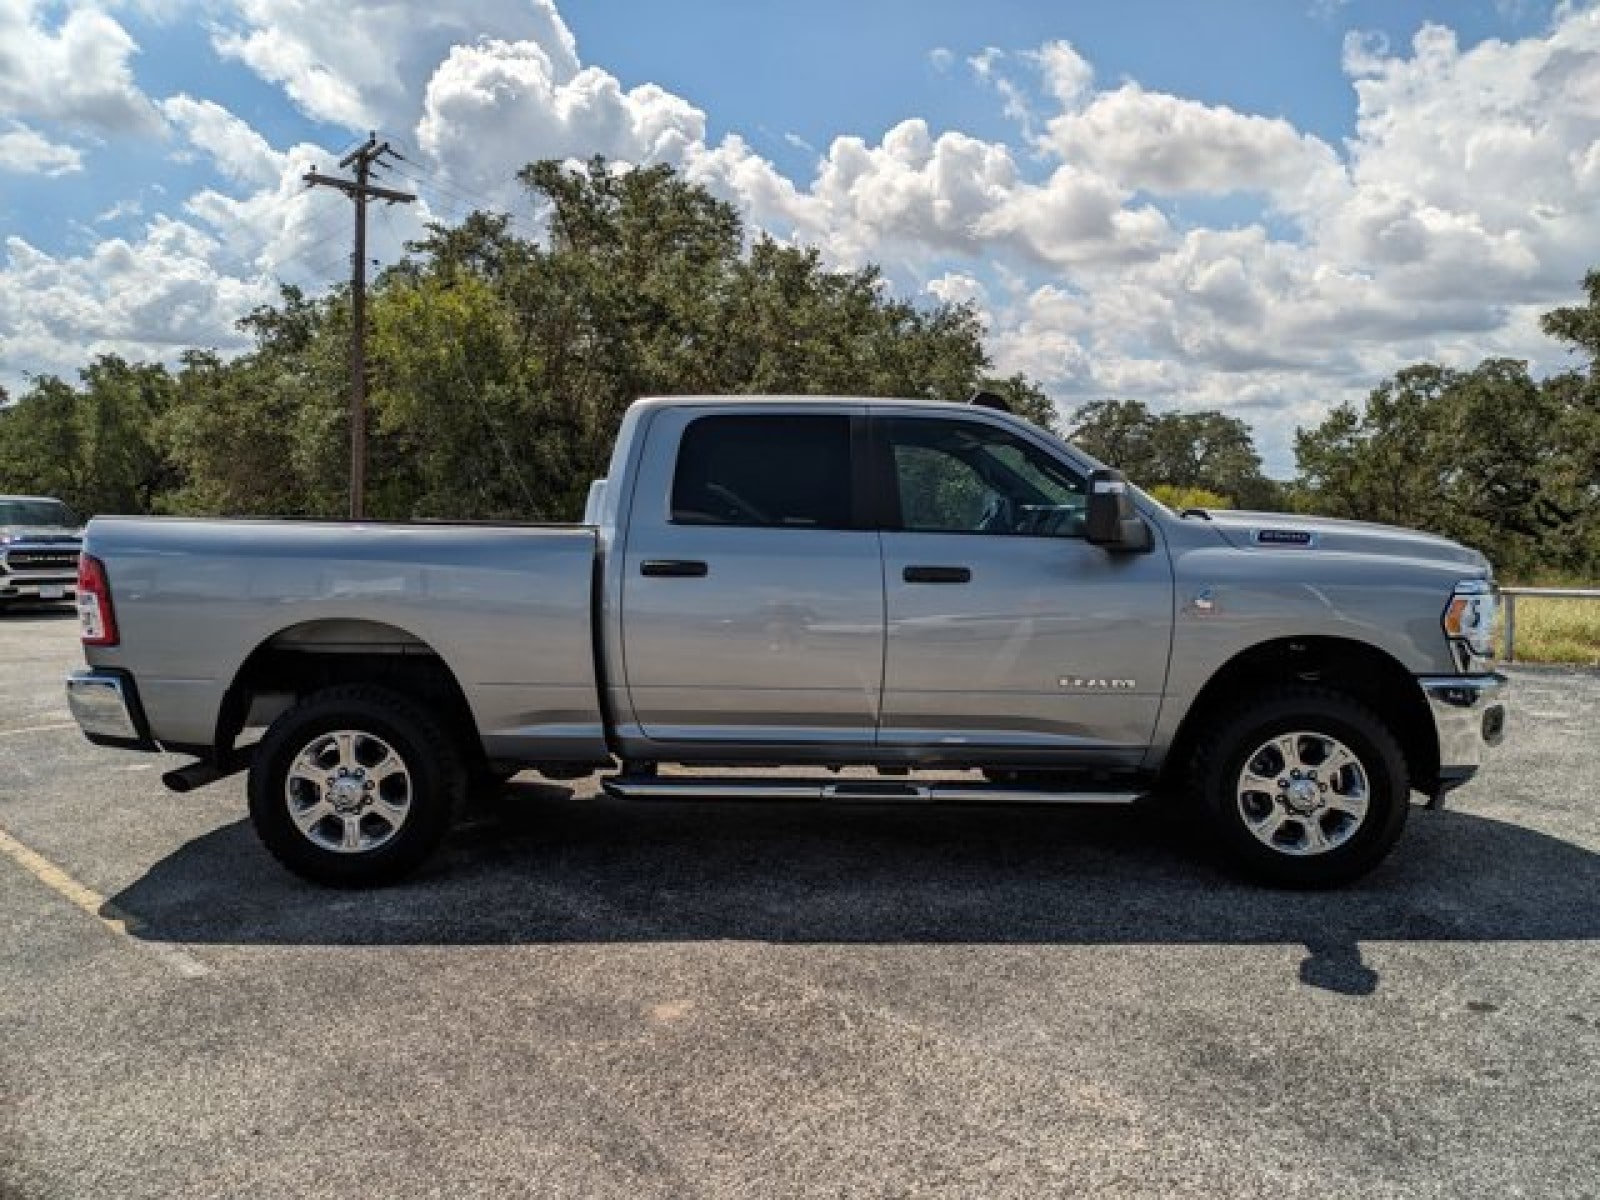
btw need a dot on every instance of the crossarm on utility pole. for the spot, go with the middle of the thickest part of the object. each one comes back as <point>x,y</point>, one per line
<point>350,188</point>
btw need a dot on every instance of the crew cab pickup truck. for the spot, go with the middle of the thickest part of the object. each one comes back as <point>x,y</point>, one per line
<point>39,542</point>
<point>944,595</point>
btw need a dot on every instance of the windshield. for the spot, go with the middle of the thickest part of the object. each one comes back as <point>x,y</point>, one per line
<point>36,512</point>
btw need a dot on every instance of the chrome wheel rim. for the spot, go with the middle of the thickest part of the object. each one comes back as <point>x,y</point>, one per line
<point>1303,793</point>
<point>348,791</point>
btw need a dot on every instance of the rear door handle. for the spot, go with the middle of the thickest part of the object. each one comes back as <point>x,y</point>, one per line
<point>937,575</point>
<point>673,568</point>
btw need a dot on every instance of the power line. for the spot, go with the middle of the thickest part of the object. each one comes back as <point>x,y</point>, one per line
<point>312,267</point>
<point>360,190</point>
<point>461,196</point>
<point>314,254</point>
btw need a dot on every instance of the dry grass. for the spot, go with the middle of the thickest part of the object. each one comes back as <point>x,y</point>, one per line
<point>1552,630</point>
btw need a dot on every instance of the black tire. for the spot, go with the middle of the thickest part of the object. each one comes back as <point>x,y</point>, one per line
<point>1287,857</point>
<point>423,795</point>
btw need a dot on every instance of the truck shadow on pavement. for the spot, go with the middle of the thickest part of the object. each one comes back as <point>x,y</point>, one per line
<point>537,866</point>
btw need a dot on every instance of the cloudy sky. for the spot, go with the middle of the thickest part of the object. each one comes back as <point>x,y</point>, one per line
<point>1263,209</point>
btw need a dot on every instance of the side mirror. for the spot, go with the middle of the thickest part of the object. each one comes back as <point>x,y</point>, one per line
<point>1111,520</point>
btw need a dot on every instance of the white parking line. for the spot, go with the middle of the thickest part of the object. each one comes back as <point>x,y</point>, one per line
<point>38,728</point>
<point>96,905</point>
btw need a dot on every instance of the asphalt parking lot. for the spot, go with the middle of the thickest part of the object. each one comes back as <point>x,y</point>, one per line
<point>582,997</point>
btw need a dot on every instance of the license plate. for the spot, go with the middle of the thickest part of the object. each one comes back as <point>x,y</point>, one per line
<point>52,592</point>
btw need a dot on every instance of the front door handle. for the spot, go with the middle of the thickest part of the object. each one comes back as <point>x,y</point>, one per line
<point>673,568</point>
<point>937,575</point>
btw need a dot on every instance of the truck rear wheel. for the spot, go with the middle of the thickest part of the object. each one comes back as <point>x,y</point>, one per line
<point>1304,787</point>
<point>354,786</point>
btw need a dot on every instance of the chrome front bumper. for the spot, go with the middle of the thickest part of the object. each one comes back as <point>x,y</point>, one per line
<point>31,587</point>
<point>1469,714</point>
<point>106,707</point>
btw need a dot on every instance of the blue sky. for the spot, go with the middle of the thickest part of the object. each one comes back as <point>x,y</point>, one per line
<point>783,71</point>
<point>1170,201</point>
<point>820,69</point>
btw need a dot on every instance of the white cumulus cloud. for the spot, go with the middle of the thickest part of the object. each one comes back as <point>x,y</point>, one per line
<point>148,298</point>
<point>77,72</point>
<point>1067,73</point>
<point>28,152</point>
<point>239,152</point>
<point>492,106</point>
<point>1169,145</point>
<point>360,64</point>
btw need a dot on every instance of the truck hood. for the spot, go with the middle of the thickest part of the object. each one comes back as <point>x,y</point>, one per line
<point>1278,533</point>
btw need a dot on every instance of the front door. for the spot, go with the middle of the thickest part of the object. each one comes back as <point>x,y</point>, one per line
<point>1007,631</point>
<point>752,600</point>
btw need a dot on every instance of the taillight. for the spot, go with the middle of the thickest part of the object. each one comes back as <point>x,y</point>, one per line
<point>97,620</point>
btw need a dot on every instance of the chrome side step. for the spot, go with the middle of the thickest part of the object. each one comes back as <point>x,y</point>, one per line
<point>680,787</point>
<point>1006,794</point>
<point>860,791</point>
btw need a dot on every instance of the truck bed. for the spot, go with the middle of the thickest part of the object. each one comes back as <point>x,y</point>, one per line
<point>507,608</point>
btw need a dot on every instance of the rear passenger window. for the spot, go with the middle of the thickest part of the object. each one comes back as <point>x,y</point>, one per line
<point>786,471</point>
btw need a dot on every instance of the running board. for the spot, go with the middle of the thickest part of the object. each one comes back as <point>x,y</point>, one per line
<point>869,791</point>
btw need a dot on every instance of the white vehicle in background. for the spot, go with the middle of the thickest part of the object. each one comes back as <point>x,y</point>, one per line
<point>40,538</point>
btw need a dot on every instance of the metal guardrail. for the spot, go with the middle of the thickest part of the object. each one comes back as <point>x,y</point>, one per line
<point>1509,596</point>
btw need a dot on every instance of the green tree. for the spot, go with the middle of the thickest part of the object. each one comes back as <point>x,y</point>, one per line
<point>1380,464</point>
<point>1577,398</point>
<point>453,421</point>
<point>267,432</point>
<point>500,366</point>
<point>94,446</point>
<point>1119,434</point>
<point>1488,456</point>
<point>1579,325</point>
<point>1207,450</point>
<point>504,366</point>
<point>41,443</point>
<point>1026,399</point>
<point>120,407</point>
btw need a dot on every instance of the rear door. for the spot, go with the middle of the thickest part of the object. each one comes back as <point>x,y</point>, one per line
<point>752,596</point>
<point>1007,631</point>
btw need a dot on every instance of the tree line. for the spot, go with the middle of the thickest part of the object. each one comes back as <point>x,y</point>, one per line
<point>500,366</point>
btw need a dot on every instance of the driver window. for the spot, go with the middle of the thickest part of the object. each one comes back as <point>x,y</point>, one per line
<point>967,477</point>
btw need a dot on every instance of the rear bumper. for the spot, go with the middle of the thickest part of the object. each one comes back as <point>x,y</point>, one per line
<point>1469,715</point>
<point>106,706</point>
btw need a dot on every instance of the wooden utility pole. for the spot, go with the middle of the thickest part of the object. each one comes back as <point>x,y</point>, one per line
<point>363,158</point>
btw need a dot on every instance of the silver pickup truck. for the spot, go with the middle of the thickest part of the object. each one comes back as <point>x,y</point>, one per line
<point>943,597</point>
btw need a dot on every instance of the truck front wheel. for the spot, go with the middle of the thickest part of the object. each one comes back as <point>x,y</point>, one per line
<point>1303,787</point>
<point>354,786</point>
